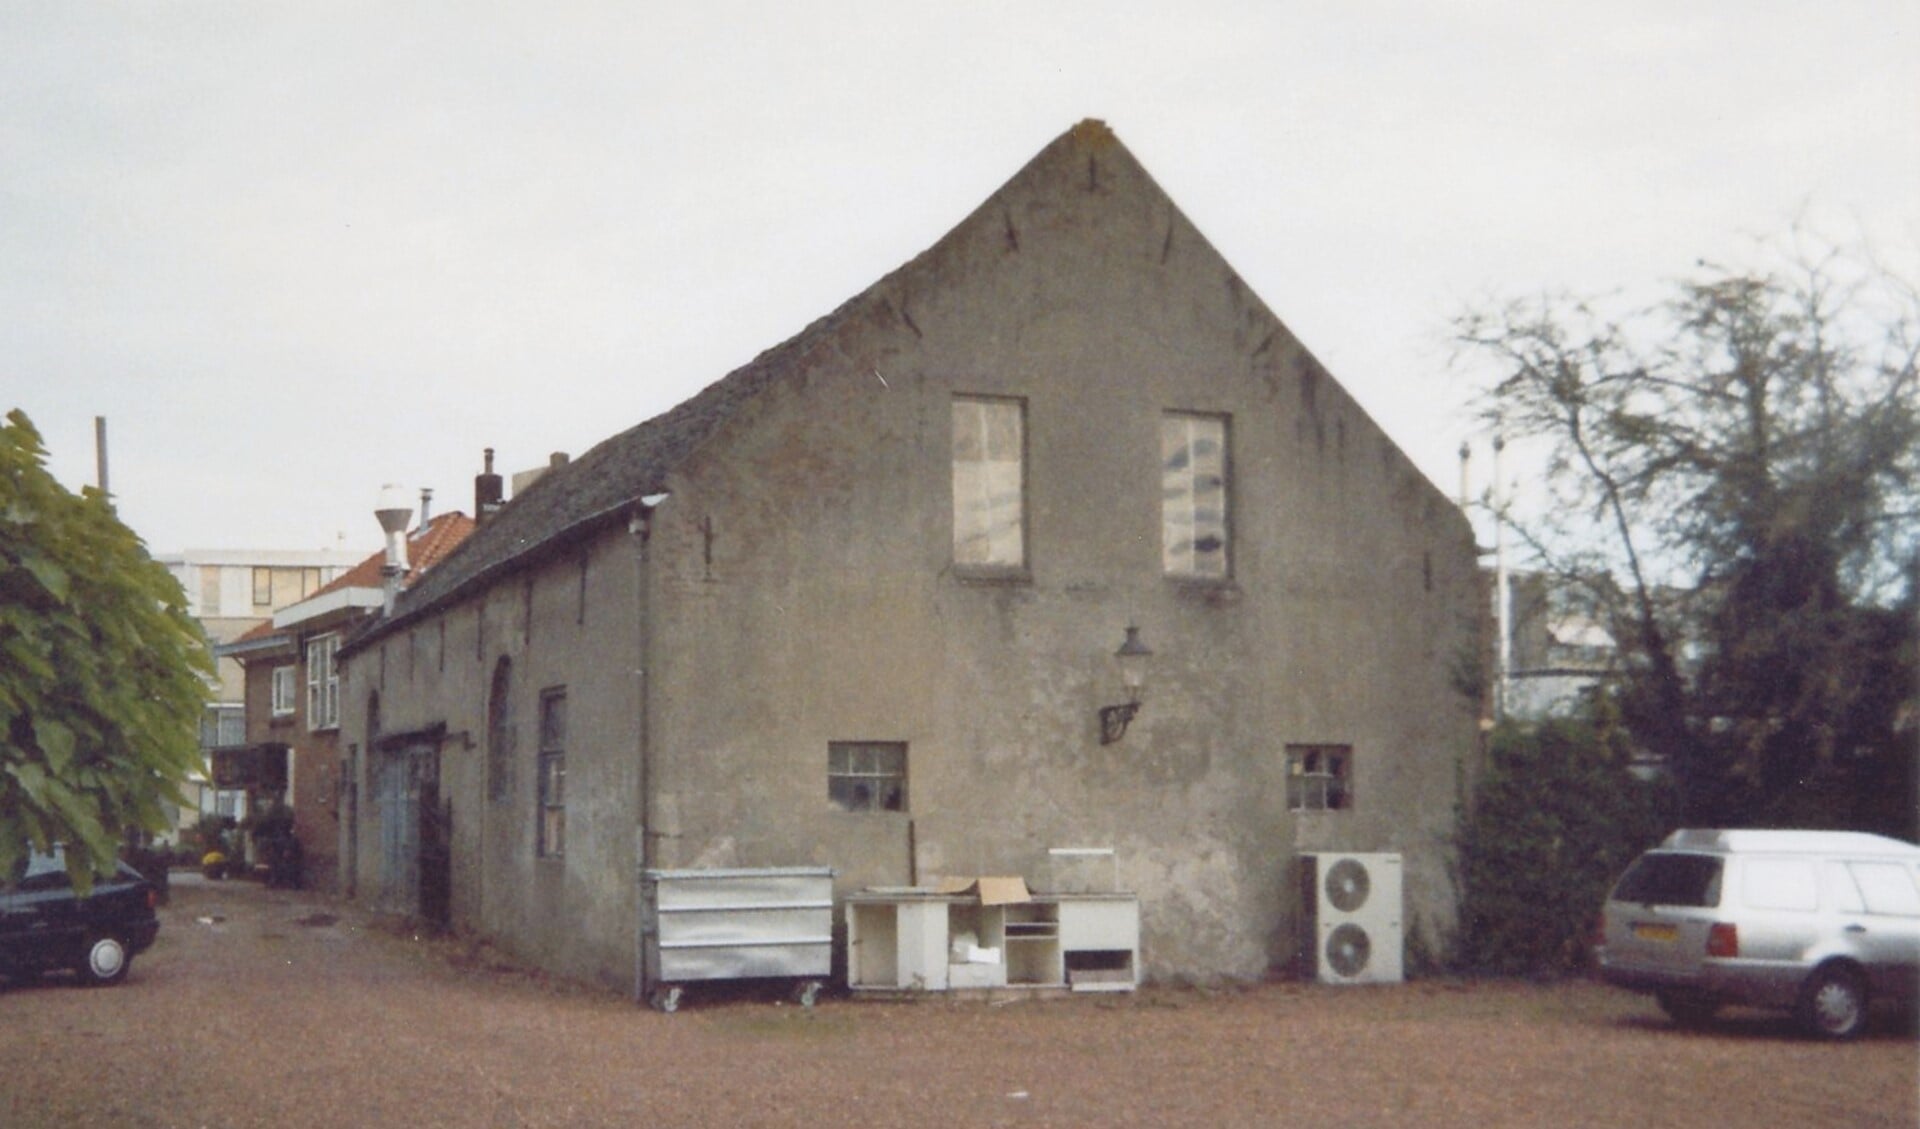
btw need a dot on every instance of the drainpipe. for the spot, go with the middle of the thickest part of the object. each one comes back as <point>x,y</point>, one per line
<point>640,526</point>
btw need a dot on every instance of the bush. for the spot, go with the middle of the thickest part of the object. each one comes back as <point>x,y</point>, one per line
<point>1554,821</point>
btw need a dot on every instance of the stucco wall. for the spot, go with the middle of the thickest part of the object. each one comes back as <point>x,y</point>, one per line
<point>805,593</point>
<point>575,913</point>
<point>799,590</point>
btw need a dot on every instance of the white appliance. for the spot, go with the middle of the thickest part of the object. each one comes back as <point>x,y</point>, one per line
<point>1351,917</point>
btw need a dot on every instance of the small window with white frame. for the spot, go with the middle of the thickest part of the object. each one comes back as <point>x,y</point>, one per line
<point>285,691</point>
<point>1319,777</point>
<point>865,776</point>
<point>323,683</point>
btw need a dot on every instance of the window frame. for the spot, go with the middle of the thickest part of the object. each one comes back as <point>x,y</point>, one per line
<point>284,692</point>
<point>1172,564</point>
<point>262,586</point>
<point>323,682</point>
<point>550,771</point>
<point>1314,788</point>
<point>964,532</point>
<point>880,789</point>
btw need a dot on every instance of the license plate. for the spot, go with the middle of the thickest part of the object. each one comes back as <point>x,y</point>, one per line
<point>1649,931</point>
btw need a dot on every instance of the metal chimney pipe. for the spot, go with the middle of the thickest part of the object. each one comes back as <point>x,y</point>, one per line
<point>393,513</point>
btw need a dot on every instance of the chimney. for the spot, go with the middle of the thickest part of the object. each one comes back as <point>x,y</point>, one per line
<point>487,488</point>
<point>426,505</point>
<point>393,513</point>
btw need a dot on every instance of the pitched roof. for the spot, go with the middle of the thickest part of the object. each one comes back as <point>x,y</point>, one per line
<point>606,483</point>
<point>427,546</point>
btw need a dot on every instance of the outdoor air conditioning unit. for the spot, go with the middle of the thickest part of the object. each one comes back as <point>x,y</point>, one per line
<point>1351,917</point>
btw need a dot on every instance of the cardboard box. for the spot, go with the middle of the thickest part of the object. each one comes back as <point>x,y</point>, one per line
<point>992,891</point>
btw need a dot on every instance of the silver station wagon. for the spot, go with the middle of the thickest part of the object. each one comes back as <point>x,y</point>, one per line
<point>1816,923</point>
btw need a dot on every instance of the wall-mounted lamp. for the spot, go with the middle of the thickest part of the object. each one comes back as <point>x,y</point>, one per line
<point>1132,659</point>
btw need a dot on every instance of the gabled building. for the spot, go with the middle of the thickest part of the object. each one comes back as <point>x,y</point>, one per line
<point>858,605</point>
<point>290,753</point>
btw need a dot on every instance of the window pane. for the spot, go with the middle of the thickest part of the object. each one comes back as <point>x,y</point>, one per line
<point>1784,884</point>
<point>867,776</point>
<point>1888,888</point>
<point>262,586</point>
<point>988,483</point>
<point>553,722</point>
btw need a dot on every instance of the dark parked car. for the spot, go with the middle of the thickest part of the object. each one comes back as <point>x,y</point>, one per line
<point>46,926</point>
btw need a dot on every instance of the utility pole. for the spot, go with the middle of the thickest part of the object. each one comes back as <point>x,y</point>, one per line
<point>100,456</point>
<point>1502,594</point>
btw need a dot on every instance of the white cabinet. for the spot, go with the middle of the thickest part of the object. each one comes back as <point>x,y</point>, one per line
<point>919,940</point>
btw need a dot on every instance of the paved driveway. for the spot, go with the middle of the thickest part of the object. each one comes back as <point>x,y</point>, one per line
<point>263,1008</point>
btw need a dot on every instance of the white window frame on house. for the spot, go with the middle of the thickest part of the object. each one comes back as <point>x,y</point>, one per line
<point>286,690</point>
<point>989,454</point>
<point>867,776</point>
<point>1195,496</point>
<point>1319,777</point>
<point>323,683</point>
<point>550,839</point>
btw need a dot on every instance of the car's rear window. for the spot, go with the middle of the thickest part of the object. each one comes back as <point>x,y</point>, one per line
<point>1671,880</point>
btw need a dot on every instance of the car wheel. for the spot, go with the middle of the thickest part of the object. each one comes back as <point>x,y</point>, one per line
<point>1833,1004</point>
<point>1688,1009</point>
<point>105,961</point>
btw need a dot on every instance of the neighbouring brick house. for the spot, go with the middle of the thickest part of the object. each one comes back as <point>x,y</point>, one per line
<point>292,696</point>
<point>857,604</point>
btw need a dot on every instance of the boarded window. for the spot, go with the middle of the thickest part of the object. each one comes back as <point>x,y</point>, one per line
<point>989,484</point>
<point>1193,495</point>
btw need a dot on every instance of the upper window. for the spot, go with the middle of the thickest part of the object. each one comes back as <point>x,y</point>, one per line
<point>283,690</point>
<point>323,683</point>
<point>553,773</point>
<point>1319,777</point>
<point>989,483</point>
<point>867,775</point>
<point>262,587</point>
<point>1193,495</point>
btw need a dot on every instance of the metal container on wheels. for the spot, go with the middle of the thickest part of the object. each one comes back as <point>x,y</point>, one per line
<point>704,925</point>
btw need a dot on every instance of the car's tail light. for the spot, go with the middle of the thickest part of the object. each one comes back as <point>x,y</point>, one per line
<point>1723,940</point>
<point>153,898</point>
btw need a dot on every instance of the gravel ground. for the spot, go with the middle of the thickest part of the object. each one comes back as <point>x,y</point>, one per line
<point>261,1007</point>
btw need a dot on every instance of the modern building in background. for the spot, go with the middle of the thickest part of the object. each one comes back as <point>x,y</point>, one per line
<point>232,591</point>
<point>288,751</point>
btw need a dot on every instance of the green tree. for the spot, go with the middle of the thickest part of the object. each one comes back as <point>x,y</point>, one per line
<point>1730,483</point>
<point>1553,822</point>
<point>102,671</point>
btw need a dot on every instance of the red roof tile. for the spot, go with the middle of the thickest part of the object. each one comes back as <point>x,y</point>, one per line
<point>426,547</point>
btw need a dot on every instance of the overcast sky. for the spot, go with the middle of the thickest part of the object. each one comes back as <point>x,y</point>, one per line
<point>293,251</point>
